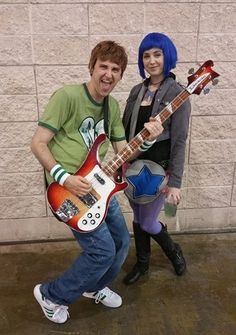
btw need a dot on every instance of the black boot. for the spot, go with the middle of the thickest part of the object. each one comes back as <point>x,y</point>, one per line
<point>143,249</point>
<point>171,249</point>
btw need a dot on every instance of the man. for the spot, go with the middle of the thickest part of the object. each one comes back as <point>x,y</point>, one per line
<point>74,117</point>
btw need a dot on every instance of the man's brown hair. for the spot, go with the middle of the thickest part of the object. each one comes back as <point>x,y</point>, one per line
<point>109,50</point>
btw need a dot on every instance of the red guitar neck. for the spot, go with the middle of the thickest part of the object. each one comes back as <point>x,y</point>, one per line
<point>173,106</point>
<point>124,155</point>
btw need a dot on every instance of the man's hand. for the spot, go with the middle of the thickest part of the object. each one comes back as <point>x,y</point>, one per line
<point>154,127</point>
<point>78,185</point>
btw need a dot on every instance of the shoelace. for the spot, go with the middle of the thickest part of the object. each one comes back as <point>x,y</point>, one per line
<point>59,312</point>
<point>178,255</point>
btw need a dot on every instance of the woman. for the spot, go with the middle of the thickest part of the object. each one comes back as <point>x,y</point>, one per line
<point>157,56</point>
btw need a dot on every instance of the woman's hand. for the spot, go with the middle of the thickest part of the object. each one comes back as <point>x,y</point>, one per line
<point>173,195</point>
<point>154,127</point>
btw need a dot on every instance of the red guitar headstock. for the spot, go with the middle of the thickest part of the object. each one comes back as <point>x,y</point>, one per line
<point>198,80</point>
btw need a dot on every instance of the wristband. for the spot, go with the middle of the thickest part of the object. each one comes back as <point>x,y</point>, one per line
<point>59,174</point>
<point>146,145</point>
<point>150,142</point>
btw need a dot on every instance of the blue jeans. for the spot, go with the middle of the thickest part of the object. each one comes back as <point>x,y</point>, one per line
<point>103,253</point>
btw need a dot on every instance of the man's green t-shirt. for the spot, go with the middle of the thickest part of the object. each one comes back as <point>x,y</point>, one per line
<point>77,119</point>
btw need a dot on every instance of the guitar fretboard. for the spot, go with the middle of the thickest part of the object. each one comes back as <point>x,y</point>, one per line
<point>122,156</point>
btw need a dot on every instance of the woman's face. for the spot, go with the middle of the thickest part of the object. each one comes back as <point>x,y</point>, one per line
<point>153,61</point>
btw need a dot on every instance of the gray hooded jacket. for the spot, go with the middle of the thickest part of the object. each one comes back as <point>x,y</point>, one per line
<point>175,128</point>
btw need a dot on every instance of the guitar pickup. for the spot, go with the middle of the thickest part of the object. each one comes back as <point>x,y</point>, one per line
<point>99,179</point>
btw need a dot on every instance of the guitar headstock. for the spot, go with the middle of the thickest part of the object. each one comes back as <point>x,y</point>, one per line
<point>198,80</point>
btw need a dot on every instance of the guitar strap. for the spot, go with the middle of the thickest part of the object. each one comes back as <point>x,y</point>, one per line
<point>134,116</point>
<point>105,109</point>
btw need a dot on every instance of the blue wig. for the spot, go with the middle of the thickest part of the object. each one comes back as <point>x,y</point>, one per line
<point>160,41</point>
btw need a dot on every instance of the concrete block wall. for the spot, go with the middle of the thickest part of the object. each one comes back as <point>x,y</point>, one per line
<point>46,43</point>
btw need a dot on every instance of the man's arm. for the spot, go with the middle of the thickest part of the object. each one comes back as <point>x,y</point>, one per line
<point>39,146</point>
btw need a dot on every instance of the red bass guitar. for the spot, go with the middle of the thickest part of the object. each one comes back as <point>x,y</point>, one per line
<point>84,214</point>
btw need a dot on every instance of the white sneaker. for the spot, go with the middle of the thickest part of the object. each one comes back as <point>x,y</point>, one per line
<point>106,296</point>
<point>53,312</point>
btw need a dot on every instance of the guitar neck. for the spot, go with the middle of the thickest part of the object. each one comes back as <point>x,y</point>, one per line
<point>122,156</point>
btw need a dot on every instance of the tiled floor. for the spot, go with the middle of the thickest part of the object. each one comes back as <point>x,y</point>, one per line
<point>202,302</point>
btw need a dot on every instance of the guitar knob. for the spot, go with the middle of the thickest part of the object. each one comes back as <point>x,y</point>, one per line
<point>191,71</point>
<point>84,222</point>
<point>215,82</point>
<point>92,222</point>
<point>206,90</point>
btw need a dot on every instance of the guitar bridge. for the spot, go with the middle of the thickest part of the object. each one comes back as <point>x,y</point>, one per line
<point>67,210</point>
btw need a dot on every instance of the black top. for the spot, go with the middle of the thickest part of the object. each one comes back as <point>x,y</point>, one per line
<point>159,151</point>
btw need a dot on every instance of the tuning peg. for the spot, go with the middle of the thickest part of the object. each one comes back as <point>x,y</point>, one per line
<point>215,82</point>
<point>191,71</point>
<point>206,90</point>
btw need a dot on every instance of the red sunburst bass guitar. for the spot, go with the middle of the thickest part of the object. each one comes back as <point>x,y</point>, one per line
<point>86,213</point>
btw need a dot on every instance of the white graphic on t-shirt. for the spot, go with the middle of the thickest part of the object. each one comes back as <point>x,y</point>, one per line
<point>89,130</point>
